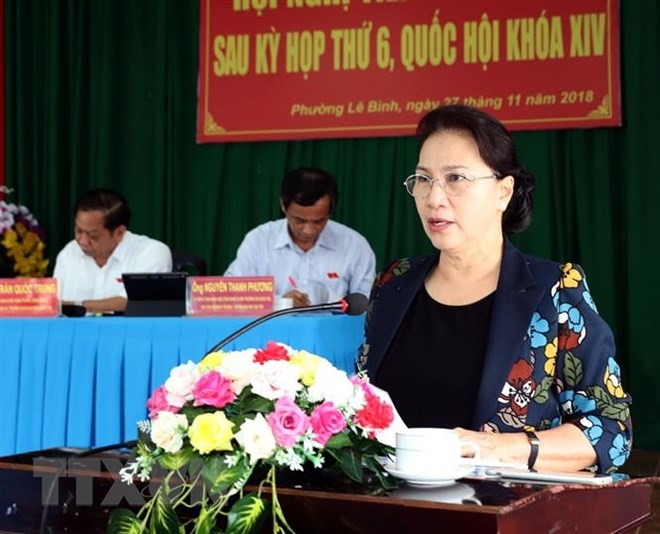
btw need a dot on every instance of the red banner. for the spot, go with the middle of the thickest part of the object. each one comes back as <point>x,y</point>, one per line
<point>296,69</point>
<point>28,297</point>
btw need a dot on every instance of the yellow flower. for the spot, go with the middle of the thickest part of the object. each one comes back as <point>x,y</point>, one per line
<point>30,242</point>
<point>308,364</point>
<point>211,432</point>
<point>571,277</point>
<point>10,240</point>
<point>613,384</point>
<point>20,229</point>
<point>211,361</point>
<point>24,249</point>
<point>551,355</point>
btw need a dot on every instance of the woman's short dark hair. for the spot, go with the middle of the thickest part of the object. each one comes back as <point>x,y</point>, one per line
<point>496,148</point>
<point>305,186</point>
<point>113,205</point>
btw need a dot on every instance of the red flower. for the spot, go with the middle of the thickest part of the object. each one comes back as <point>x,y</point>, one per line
<point>567,339</point>
<point>376,414</point>
<point>273,351</point>
<point>519,388</point>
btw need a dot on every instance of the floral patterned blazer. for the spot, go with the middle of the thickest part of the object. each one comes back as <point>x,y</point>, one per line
<point>550,356</point>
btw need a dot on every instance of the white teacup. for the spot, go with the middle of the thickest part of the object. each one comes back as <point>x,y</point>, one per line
<point>430,450</point>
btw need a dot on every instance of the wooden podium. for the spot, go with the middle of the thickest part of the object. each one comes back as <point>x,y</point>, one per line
<point>85,500</point>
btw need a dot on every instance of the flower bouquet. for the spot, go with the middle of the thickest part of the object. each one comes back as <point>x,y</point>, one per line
<point>21,242</point>
<point>215,425</point>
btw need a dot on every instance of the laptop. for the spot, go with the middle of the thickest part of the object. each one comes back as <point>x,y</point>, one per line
<point>155,294</point>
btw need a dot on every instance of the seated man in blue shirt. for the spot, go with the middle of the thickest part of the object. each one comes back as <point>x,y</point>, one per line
<point>312,258</point>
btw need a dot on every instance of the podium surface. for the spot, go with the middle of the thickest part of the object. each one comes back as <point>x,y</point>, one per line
<point>315,503</point>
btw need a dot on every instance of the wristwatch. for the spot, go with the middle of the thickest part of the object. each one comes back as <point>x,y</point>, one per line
<point>534,442</point>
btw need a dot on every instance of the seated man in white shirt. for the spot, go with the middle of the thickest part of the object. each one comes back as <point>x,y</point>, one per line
<point>89,269</point>
<point>305,248</point>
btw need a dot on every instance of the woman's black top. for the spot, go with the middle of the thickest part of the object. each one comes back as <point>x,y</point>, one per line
<point>432,369</point>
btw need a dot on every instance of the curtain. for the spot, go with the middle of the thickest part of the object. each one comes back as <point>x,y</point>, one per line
<point>103,93</point>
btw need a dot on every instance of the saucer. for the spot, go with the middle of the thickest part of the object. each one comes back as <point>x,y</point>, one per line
<point>457,493</point>
<point>430,479</point>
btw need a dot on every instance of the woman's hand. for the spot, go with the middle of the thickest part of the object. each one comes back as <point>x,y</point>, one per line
<point>508,448</point>
<point>563,448</point>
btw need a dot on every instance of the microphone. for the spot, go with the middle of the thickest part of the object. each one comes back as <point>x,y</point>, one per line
<point>351,304</point>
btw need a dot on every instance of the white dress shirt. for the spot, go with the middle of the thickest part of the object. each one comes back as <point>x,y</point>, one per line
<point>80,278</point>
<point>341,259</point>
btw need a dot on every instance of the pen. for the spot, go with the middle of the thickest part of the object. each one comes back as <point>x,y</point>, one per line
<point>293,282</point>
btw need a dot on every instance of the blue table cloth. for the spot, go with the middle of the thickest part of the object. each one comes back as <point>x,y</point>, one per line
<point>84,382</point>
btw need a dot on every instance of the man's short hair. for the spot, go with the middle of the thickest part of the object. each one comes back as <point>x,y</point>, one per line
<point>305,186</point>
<point>113,205</point>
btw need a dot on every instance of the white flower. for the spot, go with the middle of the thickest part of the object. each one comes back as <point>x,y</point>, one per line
<point>128,472</point>
<point>168,430</point>
<point>332,384</point>
<point>239,367</point>
<point>6,216</point>
<point>256,438</point>
<point>290,459</point>
<point>179,385</point>
<point>276,379</point>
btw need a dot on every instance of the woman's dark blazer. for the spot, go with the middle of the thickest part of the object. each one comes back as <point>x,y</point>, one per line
<point>549,358</point>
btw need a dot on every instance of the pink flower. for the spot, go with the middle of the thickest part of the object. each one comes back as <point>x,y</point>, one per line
<point>376,414</point>
<point>326,421</point>
<point>288,422</point>
<point>213,389</point>
<point>362,384</point>
<point>158,403</point>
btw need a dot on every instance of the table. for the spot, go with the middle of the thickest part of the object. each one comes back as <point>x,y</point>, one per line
<point>315,503</point>
<point>84,382</point>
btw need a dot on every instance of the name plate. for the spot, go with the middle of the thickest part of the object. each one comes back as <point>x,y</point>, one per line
<point>29,297</point>
<point>230,295</point>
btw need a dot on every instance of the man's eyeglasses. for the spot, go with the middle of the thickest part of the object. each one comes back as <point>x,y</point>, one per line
<point>453,183</point>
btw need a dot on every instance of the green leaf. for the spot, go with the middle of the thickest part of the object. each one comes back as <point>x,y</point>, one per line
<point>603,398</point>
<point>205,522</point>
<point>542,389</point>
<point>573,369</point>
<point>350,462</point>
<point>177,460</point>
<point>247,515</point>
<point>163,518</point>
<point>338,441</point>
<point>386,481</point>
<point>195,466</point>
<point>191,412</point>
<point>220,477</point>
<point>123,522</point>
<point>144,445</point>
<point>258,404</point>
<point>618,411</point>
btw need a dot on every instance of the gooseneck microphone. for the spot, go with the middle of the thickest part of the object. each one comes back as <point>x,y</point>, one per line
<point>351,304</point>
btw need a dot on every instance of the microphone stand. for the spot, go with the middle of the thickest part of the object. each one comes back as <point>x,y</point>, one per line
<point>341,305</point>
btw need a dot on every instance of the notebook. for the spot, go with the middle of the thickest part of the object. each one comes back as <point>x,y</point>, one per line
<point>155,294</point>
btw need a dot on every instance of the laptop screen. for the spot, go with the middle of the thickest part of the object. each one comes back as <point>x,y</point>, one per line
<point>155,294</point>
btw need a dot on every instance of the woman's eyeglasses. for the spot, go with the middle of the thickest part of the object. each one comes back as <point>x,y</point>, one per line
<point>453,183</point>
